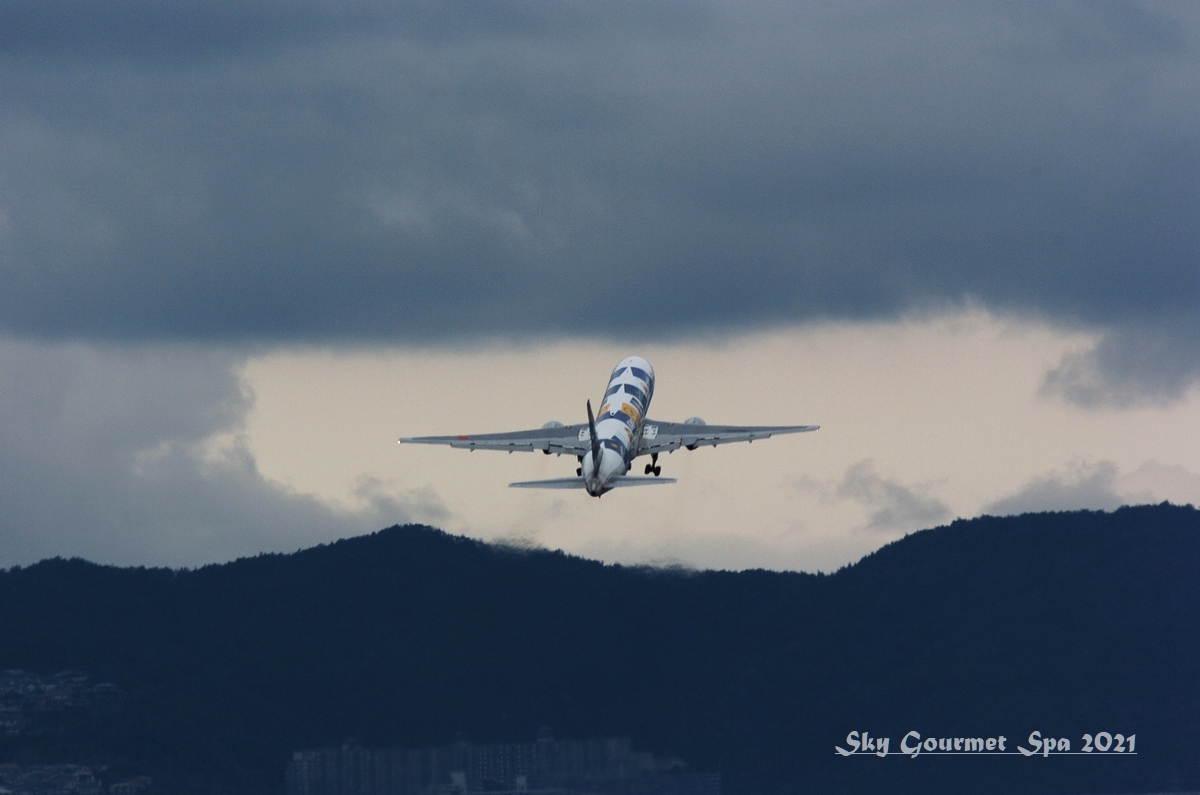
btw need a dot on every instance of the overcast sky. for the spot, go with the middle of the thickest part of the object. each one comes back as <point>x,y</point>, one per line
<point>226,228</point>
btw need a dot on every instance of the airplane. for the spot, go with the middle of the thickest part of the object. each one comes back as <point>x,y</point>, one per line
<point>619,433</point>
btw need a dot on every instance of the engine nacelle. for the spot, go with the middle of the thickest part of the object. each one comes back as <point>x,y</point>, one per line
<point>694,421</point>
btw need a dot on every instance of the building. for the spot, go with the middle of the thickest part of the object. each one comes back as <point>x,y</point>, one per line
<point>547,767</point>
<point>49,780</point>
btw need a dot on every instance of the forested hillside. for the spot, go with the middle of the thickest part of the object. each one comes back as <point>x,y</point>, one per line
<point>1065,623</point>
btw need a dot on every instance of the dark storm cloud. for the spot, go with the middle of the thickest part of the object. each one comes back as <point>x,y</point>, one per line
<point>411,172</point>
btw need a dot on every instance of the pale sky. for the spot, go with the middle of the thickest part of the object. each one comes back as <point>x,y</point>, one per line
<point>245,246</point>
<point>922,422</point>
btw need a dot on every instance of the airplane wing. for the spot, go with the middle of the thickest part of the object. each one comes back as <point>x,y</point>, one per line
<point>663,437</point>
<point>564,439</point>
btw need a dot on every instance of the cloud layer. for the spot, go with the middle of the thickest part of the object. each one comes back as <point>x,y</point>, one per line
<point>1100,486</point>
<point>134,456</point>
<point>416,172</point>
<point>1091,486</point>
<point>893,505</point>
<point>180,184</point>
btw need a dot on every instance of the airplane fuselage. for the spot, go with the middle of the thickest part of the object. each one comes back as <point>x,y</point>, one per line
<point>619,423</point>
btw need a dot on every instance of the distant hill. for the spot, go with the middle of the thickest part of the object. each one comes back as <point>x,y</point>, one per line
<point>1065,623</point>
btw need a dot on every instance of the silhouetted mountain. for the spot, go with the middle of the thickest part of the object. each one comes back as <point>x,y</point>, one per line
<point>1065,623</point>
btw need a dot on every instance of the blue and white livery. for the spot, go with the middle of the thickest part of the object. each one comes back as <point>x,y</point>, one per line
<point>614,436</point>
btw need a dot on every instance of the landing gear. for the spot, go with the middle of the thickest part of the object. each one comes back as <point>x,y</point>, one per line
<point>653,465</point>
<point>579,469</point>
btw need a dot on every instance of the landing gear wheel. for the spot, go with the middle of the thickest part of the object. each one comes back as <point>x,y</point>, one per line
<point>649,469</point>
<point>578,471</point>
<point>657,471</point>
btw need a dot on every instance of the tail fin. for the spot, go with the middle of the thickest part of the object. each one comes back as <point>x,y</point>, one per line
<point>595,441</point>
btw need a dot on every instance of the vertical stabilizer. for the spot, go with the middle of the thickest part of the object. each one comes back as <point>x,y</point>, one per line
<point>595,441</point>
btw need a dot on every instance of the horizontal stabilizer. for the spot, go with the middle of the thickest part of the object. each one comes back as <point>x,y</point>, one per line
<point>577,483</point>
<point>637,480</point>
<point>552,483</point>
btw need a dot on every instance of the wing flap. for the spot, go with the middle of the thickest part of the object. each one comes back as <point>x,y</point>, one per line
<point>665,437</point>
